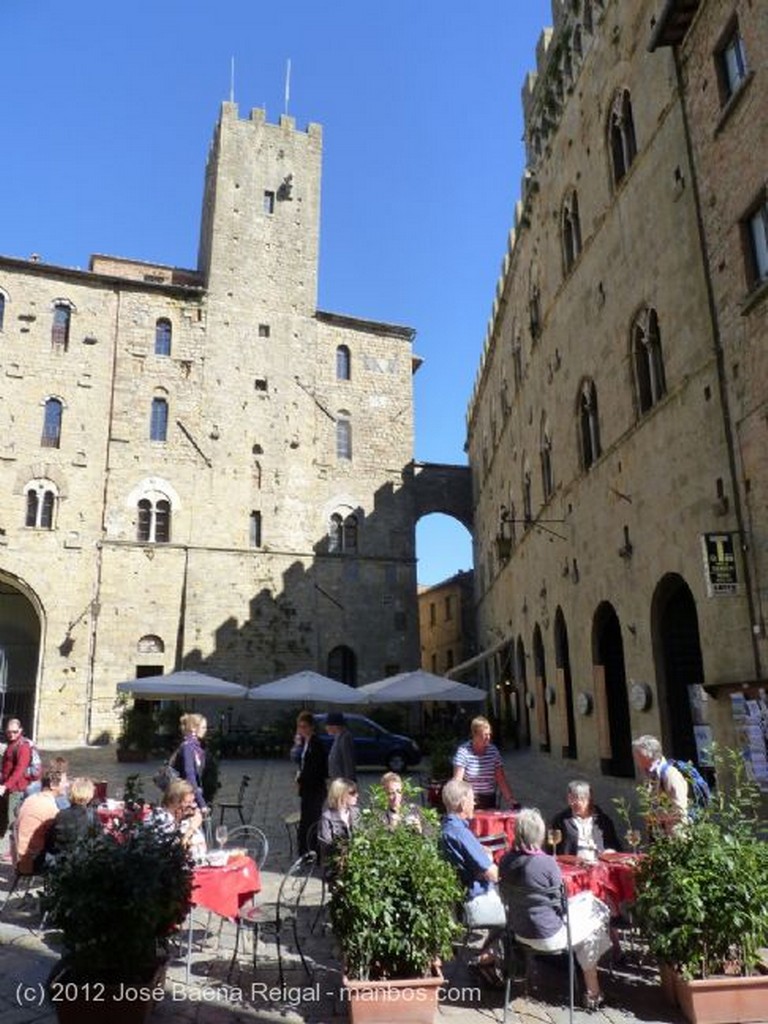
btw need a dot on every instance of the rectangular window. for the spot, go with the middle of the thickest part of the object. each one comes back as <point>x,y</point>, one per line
<point>756,232</point>
<point>263,330</point>
<point>434,664</point>
<point>60,328</point>
<point>255,530</point>
<point>448,608</point>
<point>260,384</point>
<point>432,614</point>
<point>269,202</point>
<point>732,63</point>
<point>158,424</point>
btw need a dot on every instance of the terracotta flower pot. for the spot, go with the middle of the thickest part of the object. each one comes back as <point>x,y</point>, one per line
<point>720,1000</point>
<point>402,1001</point>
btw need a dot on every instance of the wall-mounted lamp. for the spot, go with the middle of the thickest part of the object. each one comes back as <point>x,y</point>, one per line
<point>504,536</point>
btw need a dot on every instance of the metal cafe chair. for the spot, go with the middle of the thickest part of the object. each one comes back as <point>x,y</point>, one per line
<point>252,839</point>
<point>235,805</point>
<point>275,916</point>
<point>516,948</point>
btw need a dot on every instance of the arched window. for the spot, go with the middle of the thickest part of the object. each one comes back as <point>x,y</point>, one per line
<point>647,358</point>
<point>342,533</point>
<point>343,363</point>
<point>343,438</point>
<point>52,417</point>
<point>163,331</point>
<point>534,309</point>
<point>42,501</point>
<point>545,452</point>
<point>571,230</point>
<point>154,520</point>
<point>589,427</point>
<point>2,310</point>
<point>62,315</point>
<point>150,644</point>
<point>578,45</point>
<point>621,130</point>
<point>342,665</point>
<point>158,423</point>
<point>587,19</point>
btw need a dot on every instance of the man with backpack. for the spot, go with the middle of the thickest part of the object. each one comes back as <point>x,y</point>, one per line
<point>14,773</point>
<point>668,785</point>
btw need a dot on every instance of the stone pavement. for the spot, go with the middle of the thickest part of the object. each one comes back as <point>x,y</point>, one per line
<point>28,953</point>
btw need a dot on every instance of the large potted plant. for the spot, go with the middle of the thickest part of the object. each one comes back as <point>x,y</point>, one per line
<point>392,908</point>
<point>702,904</point>
<point>116,897</point>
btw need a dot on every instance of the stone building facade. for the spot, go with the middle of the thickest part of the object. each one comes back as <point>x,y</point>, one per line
<point>616,429</point>
<point>447,623</point>
<point>199,468</point>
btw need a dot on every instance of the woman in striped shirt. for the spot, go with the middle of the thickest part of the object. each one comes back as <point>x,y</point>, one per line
<point>479,763</point>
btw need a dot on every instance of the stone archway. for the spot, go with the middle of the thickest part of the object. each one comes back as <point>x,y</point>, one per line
<point>20,634</point>
<point>678,660</point>
<point>540,685</point>
<point>611,700</point>
<point>440,488</point>
<point>564,686</point>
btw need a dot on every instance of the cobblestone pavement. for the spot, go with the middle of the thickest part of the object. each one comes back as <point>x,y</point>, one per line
<point>213,996</point>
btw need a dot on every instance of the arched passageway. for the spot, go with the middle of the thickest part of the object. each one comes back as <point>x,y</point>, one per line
<point>521,683</point>
<point>19,653</point>
<point>611,702</point>
<point>564,688</point>
<point>679,665</point>
<point>542,695</point>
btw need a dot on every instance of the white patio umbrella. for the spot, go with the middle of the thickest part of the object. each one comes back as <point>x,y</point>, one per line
<point>181,684</point>
<point>419,685</point>
<point>306,686</point>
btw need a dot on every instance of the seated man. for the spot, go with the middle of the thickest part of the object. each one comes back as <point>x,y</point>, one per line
<point>483,907</point>
<point>35,819</point>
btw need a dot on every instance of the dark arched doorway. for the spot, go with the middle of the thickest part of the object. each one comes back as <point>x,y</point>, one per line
<point>342,665</point>
<point>19,654</point>
<point>679,665</point>
<point>611,694</point>
<point>540,686</point>
<point>564,687</point>
<point>521,684</point>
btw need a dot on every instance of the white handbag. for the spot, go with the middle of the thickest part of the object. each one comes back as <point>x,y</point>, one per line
<point>485,911</point>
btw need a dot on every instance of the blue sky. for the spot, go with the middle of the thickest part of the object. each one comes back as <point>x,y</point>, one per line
<point>109,110</point>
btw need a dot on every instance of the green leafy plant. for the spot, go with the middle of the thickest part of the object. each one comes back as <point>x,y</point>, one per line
<point>138,728</point>
<point>441,747</point>
<point>393,900</point>
<point>116,898</point>
<point>133,790</point>
<point>702,892</point>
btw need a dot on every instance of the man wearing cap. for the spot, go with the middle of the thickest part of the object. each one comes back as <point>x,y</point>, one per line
<point>341,759</point>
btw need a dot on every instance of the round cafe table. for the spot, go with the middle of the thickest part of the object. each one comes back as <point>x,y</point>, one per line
<point>611,878</point>
<point>224,890</point>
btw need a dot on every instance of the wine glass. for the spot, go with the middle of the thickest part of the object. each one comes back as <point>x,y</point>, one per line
<point>222,832</point>
<point>554,838</point>
<point>633,838</point>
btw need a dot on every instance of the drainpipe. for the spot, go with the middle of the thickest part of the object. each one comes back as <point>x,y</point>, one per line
<point>96,602</point>
<point>721,375</point>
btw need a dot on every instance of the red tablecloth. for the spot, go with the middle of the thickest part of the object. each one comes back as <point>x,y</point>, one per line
<point>611,880</point>
<point>491,823</point>
<point>224,890</point>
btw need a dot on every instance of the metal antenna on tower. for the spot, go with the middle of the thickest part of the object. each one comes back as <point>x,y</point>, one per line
<point>232,80</point>
<point>287,84</point>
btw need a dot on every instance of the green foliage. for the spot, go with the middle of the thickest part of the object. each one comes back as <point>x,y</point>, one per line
<point>133,790</point>
<point>394,897</point>
<point>441,746</point>
<point>116,897</point>
<point>702,892</point>
<point>138,727</point>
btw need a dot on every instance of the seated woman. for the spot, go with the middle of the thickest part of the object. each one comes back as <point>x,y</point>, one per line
<point>483,908</point>
<point>179,810</point>
<point>396,813</point>
<point>74,822</point>
<point>535,918</point>
<point>338,820</point>
<point>587,830</point>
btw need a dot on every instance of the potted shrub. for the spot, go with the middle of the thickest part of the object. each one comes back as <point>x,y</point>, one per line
<point>442,747</point>
<point>137,734</point>
<point>702,904</point>
<point>392,909</point>
<point>116,898</point>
